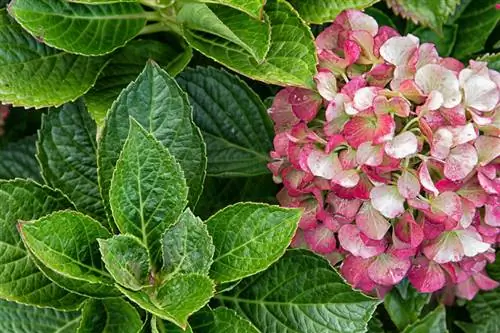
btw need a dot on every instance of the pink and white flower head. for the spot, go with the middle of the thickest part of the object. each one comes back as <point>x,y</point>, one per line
<point>395,160</point>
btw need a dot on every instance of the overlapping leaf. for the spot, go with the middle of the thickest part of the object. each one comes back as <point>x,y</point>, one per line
<point>433,322</point>
<point>17,160</point>
<point>251,7</point>
<point>221,320</point>
<point>404,307</point>
<point>109,316</point>
<point>322,11</point>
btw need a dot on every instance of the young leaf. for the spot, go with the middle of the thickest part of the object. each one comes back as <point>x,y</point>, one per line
<point>253,8</point>
<point>187,247</point>
<point>493,60</point>
<point>433,322</point>
<point>126,64</point>
<point>17,160</point>
<point>301,293</point>
<point>444,43</point>
<point>232,119</point>
<point>21,281</point>
<point>476,23</point>
<point>404,308</point>
<point>80,28</point>
<point>148,190</point>
<point>109,316</point>
<point>17,318</point>
<point>248,238</point>
<point>127,260</point>
<point>291,59</point>
<point>322,11</point>
<point>35,75</point>
<point>232,25</point>
<point>160,106</point>
<point>67,155</point>
<point>66,242</point>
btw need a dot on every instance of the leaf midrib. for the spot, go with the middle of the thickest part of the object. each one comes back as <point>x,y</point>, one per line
<point>118,17</point>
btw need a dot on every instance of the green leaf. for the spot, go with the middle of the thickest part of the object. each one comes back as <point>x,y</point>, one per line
<point>493,269</point>
<point>20,279</point>
<point>444,43</point>
<point>251,34</point>
<point>67,155</point>
<point>253,8</point>
<point>109,316</point>
<point>381,17</point>
<point>232,119</point>
<point>322,11</point>
<point>222,320</point>
<point>483,310</point>
<point>17,318</point>
<point>248,238</point>
<point>17,160</point>
<point>405,307</point>
<point>126,64</point>
<point>301,293</point>
<point>35,75</point>
<point>148,190</point>
<point>476,23</point>
<point>80,28</point>
<point>493,60</point>
<point>160,106</point>
<point>433,322</point>
<point>291,59</point>
<point>375,325</point>
<point>187,247</point>
<point>429,13</point>
<point>160,326</point>
<point>66,242</point>
<point>127,260</point>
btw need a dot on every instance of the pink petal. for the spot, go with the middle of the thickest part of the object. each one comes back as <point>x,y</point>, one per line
<point>380,74</point>
<point>463,134</point>
<point>367,127</point>
<point>435,77</point>
<point>398,50</point>
<point>328,38</point>
<point>383,34</point>
<point>355,271</point>
<point>388,270</point>
<point>480,92</point>
<point>363,98</point>
<point>484,282</point>
<point>371,222</point>
<point>331,61</point>
<point>488,148</point>
<point>469,211</point>
<point>473,192</point>
<point>305,103</point>
<point>449,204</point>
<point>308,219</point>
<point>445,248</point>
<point>426,276</point>
<point>326,83</point>
<point>350,240</point>
<point>387,200</point>
<point>281,112</point>
<point>452,64</point>
<point>467,289</point>
<point>472,242</point>
<point>320,239</point>
<point>455,116</point>
<point>353,19</point>
<point>425,178</point>
<point>460,162</point>
<point>347,208</point>
<point>442,141</point>
<point>346,178</point>
<point>403,145</point>
<point>408,185</point>
<point>427,54</point>
<point>365,40</point>
<point>411,91</point>
<point>408,231</point>
<point>369,155</point>
<point>492,214</point>
<point>352,51</point>
<point>322,164</point>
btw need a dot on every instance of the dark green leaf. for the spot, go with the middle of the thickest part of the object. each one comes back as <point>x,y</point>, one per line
<point>233,121</point>
<point>375,325</point>
<point>17,318</point>
<point>484,310</point>
<point>291,59</point>
<point>253,8</point>
<point>322,11</point>
<point>187,247</point>
<point>160,326</point>
<point>160,106</point>
<point>17,160</point>
<point>493,269</point>
<point>381,17</point>
<point>66,242</point>
<point>249,237</point>
<point>405,307</point>
<point>126,259</point>
<point>493,60</point>
<point>35,75</point>
<point>148,190</point>
<point>80,28</point>
<point>67,155</point>
<point>474,27</point>
<point>433,322</point>
<point>224,320</point>
<point>444,43</point>
<point>20,279</point>
<point>126,64</point>
<point>109,316</point>
<point>301,293</point>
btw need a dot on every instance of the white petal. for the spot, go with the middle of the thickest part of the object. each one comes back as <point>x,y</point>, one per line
<point>363,98</point>
<point>480,93</point>
<point>398,50</point>
<point>404,144</point>
<point>435,77</point>
<point>323,165</point>
<point>472,243</point>
<point>387,200</point>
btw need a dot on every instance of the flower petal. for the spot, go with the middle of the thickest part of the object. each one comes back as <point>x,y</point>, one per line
<point>320,239</point>
<point>346,178</point>
<point>488,148</point>
<point>368,127</point>
<point>350,240</point>
<point>442,141</point>
<point>371,222</point>
<point>472,242</point>
<point>448,204</point>
<point>305,103</point>
<point>460,162</point>
<point>426,276</point>
<point>281,112</point>
<point>322,164</point>
<point>355,270</point>
<point>408,231</point>
<point>387,200</point>
<point>369,154</point>
<point>363,98</point>
<point>480,92</point>
<point>425,178</point>
<point>388,270</point>
<point>403,145</point>
<point>408,185</point>
<point>435,77</point>
<point>398,50</point>
<point>326,83</point>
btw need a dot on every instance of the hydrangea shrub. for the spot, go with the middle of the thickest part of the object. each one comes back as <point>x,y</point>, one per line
<point>394,159</point>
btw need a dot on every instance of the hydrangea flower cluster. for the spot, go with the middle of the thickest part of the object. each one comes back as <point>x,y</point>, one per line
<point>394,159</point>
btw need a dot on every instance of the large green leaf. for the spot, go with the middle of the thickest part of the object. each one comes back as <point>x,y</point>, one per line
<point>187,247</point>
<point>433,322</point>
<point>493,60</point>
<point>291,59</point>
<point>249,237</point>
<point>66,242</point>
<point>35,75</point>
<point>429,13</point>
<point>67,154</point>
<point>404,304</point>
<point>483,310</point>
<point>109,316</point>
<point>80,28</point>
<point>301,293</point>
<point>444,43</point>
<point>233,121</point>
<point>475,25</point>
<point>253,8</point>
<point>251,34</point>
<point>17,318</point>
<point>162,108</point>
<point>126,64</point>
<point>17,160</point>
<point>126,258</point>
<point>322,11</point>
<point>148,190</point>
<point>221,320</point>
<point>20,279</point>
